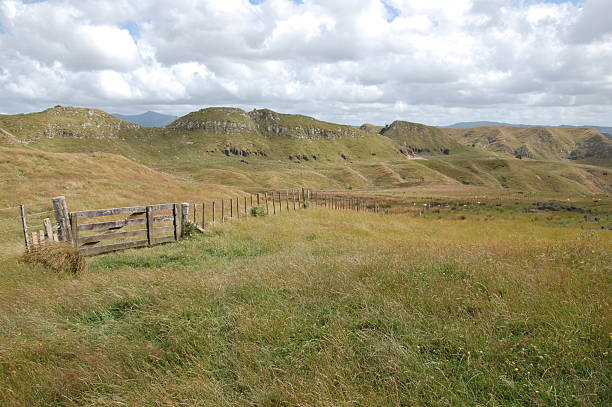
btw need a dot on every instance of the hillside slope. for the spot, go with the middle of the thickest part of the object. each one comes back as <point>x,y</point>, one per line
<point>545,143</point>
<point>92,180</point>
<point>265,133</point>
<point>418,138</point>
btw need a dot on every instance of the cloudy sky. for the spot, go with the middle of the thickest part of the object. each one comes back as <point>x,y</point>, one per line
<point>350,61</point>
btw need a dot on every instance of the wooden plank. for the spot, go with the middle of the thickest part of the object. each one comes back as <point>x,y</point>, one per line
<point>24,227</point>
<point>245,204</point>
<point>176,221</point>
<point>163,229</point>
<point>222,211</point>
<point>112,247</point>
<point>203,214</point>
<point>214,209</point>
<point>184,217</point>
<point>238,207</point>
<point>114,236</point>
<point>149,217</point>
<point>163,239</point>
<point>163,218</point>
<point>74,222</point>
<point>128,210</point>
<point>60,208</point>
<point>34,239</point>
<point>118,224</point>
<point>48,228</point>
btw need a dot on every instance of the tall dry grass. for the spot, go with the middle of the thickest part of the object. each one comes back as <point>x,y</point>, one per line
<point>320,308</point>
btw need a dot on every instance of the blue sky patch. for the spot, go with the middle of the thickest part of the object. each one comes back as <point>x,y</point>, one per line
<point>132,27</point>
<point>392,12</point>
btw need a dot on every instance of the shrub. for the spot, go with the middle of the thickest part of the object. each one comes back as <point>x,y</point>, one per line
<point>57,257</point>
<point>258,210</point>
<point>190,229</point>
<point>305,204</point>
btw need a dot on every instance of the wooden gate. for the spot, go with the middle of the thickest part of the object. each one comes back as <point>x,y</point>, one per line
<point>143,226</point>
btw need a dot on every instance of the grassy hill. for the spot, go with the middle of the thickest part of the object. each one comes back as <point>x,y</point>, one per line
<point>585,145</point>
<point>421,139</point>
<point>263,149</point>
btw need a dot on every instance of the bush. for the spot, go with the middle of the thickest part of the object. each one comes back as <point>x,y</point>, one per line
<point>305,204</point>
<point>57,257</point>
<point>258,210</point>
<point>190,229</point>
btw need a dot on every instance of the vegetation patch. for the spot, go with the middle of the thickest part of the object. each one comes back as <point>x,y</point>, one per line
<point>57,257</point>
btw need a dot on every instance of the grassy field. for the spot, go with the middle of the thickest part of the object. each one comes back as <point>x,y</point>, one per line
<point>321,308</point>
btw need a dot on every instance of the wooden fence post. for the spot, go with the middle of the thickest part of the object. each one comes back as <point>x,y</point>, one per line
<point>213,213</point>
<point>293,197</point>
<point>273,204</point>
<point>231,201</point>
<point>24,226</point>
<point>48,229</point>
<point>75,229</point>
<point>223,211</point>
<point>149,214</point>
<point>266,199</point>
<point>175,221</point>
<point>245,205</point>
<point>184,217</point>
<point>203,214</point>
<point>60,208</point>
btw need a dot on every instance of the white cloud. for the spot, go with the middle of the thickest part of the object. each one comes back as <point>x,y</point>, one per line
<point>435,61</point>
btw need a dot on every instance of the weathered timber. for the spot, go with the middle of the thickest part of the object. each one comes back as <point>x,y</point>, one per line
<point>184,217</point>
<point>149,217</point>
<point>117,235</point>
<point>75,229</point>
<point>60,209</point>
<point>24,227</point>
<point>176,221</point>
<point>163,218</point>
<point>113,247</point>
<point>118,224</point>
<point>48,229</point>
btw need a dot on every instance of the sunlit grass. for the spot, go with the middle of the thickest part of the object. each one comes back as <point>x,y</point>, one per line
<point>319,308</point>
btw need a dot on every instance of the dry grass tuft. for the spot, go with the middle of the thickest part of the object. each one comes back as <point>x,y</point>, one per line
<point>57,257</point>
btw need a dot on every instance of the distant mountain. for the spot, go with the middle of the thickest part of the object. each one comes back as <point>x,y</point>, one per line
<point>471,125</point>
<point>148,119</point>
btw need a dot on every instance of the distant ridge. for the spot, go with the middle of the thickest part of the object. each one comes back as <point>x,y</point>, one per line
<point>470,125</point>
<point>147,119</point>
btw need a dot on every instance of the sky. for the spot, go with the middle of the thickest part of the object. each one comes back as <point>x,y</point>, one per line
<point>349,61</point>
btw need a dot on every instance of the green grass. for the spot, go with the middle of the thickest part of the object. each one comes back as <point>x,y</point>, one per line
<point>320,308</point>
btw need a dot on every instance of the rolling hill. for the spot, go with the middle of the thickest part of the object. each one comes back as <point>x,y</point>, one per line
<point>263,149</point>
<point>421,139</point>
<point>471,125</point>
<point>585,145</point>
